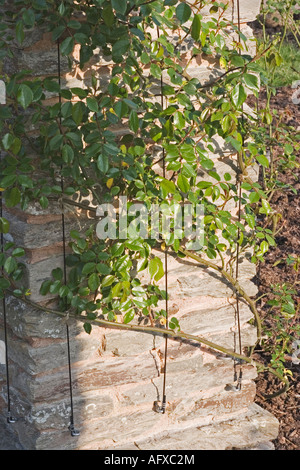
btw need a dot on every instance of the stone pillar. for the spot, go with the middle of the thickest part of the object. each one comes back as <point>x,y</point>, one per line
<point>117,375</point>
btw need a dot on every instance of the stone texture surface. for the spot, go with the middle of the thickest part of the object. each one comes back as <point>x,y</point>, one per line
<point>117,376</point>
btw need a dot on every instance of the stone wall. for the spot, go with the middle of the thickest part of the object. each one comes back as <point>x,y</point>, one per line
<point>118,375</point>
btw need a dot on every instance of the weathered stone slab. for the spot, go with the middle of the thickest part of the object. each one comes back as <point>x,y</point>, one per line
<point>217,321</point>
<point>129,343</point>
<point>44,234</point>
<point>246,429</point>
<point>199,384</point>
<point>56,415</point>
<point>230,340</point>
<point>220,403</point>
<point>46,354</point>
<point>188,279</point>
<point>28,322</point>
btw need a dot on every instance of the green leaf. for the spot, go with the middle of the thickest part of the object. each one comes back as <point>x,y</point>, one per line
<point>183,183</point>
<point>108,16</point>
<point>73,24</point>
<point>63,291</point>
<point>51,85</point>
<point>56,142</point>
<point>44,202</point>
<point>77,112</point>
<point>103,163</point>
<point>92,104</point>
<point>155,70</point>
<point>10,265</point>
<point>238,95</point>
<point>188,170</point>
<point>7,141</point>
<point>12,197</point>
<point>87,327</point>
<point>196,27</point>
<point>57,32</point>
<point>67,153</point>
<point>117,249</point>
<point>254,197</point>
<point>108,280</point>
<point>133,121</point>
<point>29,17</point>
<point>263,160</point>
<point>8,180</point>
<point>156,269</point>
<point>121,108</point>
<point>120,6</point>
<point>168,186</point>
<point>86,53</point>
<point>57,274</point>
<point>174,324</point>
<point>45,287</point>
<point>183,12</point>
<point>226,122</point>
<point>103,268</point>
<point>251,81</point>
<point>88,268</point>
<point>18,252</point>
<point>4,283</point>
<point>264,246</point>
<point>179,120</point>
<point>4,225</point>
<point>94,282</point>
<point>80,92</point>
<point>129,316</point>
<point>67,46</point>
<point>266,208</point>
<point>24,96</point>
<point>20,32</point>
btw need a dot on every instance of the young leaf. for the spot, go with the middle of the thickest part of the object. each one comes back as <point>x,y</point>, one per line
<point>168,186</point>
<point>262,159</point>
<point>156,268</point>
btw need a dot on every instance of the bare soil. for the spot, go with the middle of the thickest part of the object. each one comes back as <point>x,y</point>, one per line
<point>286,408</point>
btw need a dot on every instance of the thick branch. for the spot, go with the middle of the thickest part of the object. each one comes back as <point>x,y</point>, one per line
<point>161,331</point>
<point>234,283</point>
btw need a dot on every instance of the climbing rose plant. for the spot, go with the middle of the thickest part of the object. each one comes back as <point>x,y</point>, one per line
<point>168,118</point>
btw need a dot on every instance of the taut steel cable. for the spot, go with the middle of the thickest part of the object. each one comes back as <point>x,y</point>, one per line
<point>10,418</point>
<point>74,432</point>
<point>162,408</point>
<point>240,376</point>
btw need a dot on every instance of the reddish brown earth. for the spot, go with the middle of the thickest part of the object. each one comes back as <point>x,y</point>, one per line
<point>286,408</point>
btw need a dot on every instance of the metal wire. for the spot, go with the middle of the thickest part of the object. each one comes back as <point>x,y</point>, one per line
<point>239,377</point>
<point>72,429</point>
<point>10,418</point>
<point>162,408</point>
